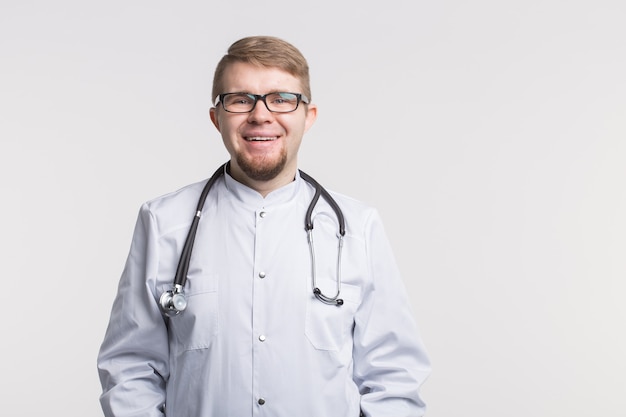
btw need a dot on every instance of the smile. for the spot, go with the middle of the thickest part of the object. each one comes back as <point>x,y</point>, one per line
<point>260,138</point>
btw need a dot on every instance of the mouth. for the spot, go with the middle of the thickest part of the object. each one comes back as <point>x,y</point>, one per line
<point>260,138</point>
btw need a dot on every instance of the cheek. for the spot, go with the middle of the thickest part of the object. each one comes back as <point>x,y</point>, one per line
<point>296,139</point>
<point>226,126</point>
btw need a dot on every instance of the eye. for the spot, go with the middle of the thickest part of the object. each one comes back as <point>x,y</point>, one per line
<point>282,98</point>
<point>238,100</point>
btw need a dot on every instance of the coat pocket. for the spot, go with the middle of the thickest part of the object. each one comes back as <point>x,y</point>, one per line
<point>328,327</point>
<point>196,327</point>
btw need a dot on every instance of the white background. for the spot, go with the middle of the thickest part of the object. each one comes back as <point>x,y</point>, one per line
<point>491,135</point>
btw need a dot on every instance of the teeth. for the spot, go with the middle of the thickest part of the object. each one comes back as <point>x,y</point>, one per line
<point>260,138</point>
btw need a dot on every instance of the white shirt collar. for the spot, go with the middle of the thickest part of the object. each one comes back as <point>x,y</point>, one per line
<point>252,197</point>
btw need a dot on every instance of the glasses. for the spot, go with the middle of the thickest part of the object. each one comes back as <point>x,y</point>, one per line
<point>275,102</point>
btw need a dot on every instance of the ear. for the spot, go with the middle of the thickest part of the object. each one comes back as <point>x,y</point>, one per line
<point>311,116</point>
<point>214,119</point>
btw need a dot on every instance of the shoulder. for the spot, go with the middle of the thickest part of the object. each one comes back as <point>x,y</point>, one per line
<point>174,209</point>
<point>184,196</point>
<point>350,203</point>
<point>359,215</point>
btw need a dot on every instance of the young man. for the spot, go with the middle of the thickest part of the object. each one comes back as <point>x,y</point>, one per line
<point>272,322</point>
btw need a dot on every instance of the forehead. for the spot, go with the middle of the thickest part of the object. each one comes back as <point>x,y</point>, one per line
<point>243,77</point>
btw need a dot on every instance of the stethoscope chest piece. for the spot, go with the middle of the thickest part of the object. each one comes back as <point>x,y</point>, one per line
<point>173,302</point>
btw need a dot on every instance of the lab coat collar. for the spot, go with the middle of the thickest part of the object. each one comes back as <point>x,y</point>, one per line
<point>250,196</point>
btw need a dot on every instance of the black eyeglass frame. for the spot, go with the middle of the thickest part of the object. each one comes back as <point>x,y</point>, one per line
<point>299,98</point>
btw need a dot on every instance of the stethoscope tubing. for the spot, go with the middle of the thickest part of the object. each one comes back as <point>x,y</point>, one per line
<point>173,302</point>
<point>185,257</point>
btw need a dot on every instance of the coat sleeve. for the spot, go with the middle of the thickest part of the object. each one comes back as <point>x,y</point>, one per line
<point>390,361</point>
<point>133,358</point>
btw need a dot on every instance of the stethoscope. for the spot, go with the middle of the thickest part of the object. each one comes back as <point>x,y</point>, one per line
<point>173,302</point>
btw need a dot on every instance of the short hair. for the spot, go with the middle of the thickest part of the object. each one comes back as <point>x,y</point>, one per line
<point>264,51</point>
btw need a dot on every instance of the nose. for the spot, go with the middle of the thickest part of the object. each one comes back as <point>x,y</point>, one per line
<point>260,113</point>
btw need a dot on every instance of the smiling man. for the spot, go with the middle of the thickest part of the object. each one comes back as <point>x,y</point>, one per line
<point>263,140</point>
<point>227,306</point>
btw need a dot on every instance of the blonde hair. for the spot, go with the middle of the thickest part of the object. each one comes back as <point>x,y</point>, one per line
<point>264,51</point>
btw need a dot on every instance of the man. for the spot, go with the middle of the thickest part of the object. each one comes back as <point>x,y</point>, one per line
<point>270,325</point>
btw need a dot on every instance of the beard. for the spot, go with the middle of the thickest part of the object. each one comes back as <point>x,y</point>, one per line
<point>262,168</point>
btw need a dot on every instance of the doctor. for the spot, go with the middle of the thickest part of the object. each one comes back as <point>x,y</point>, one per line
<point>254,340</point>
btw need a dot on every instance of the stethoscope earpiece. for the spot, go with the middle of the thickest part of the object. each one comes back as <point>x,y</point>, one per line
<point>327,300</point>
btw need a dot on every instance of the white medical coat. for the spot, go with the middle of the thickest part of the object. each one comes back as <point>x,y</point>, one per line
<point>254,341</point>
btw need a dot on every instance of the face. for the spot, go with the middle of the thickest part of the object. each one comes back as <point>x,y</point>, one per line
<point>263,145</point>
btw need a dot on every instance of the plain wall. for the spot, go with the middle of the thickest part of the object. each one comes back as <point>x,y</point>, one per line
<point>491,136</point>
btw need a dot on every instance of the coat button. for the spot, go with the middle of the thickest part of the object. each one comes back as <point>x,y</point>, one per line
<point>261,401</point>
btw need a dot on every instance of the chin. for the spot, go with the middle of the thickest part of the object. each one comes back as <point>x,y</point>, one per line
<point>261,169</point>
